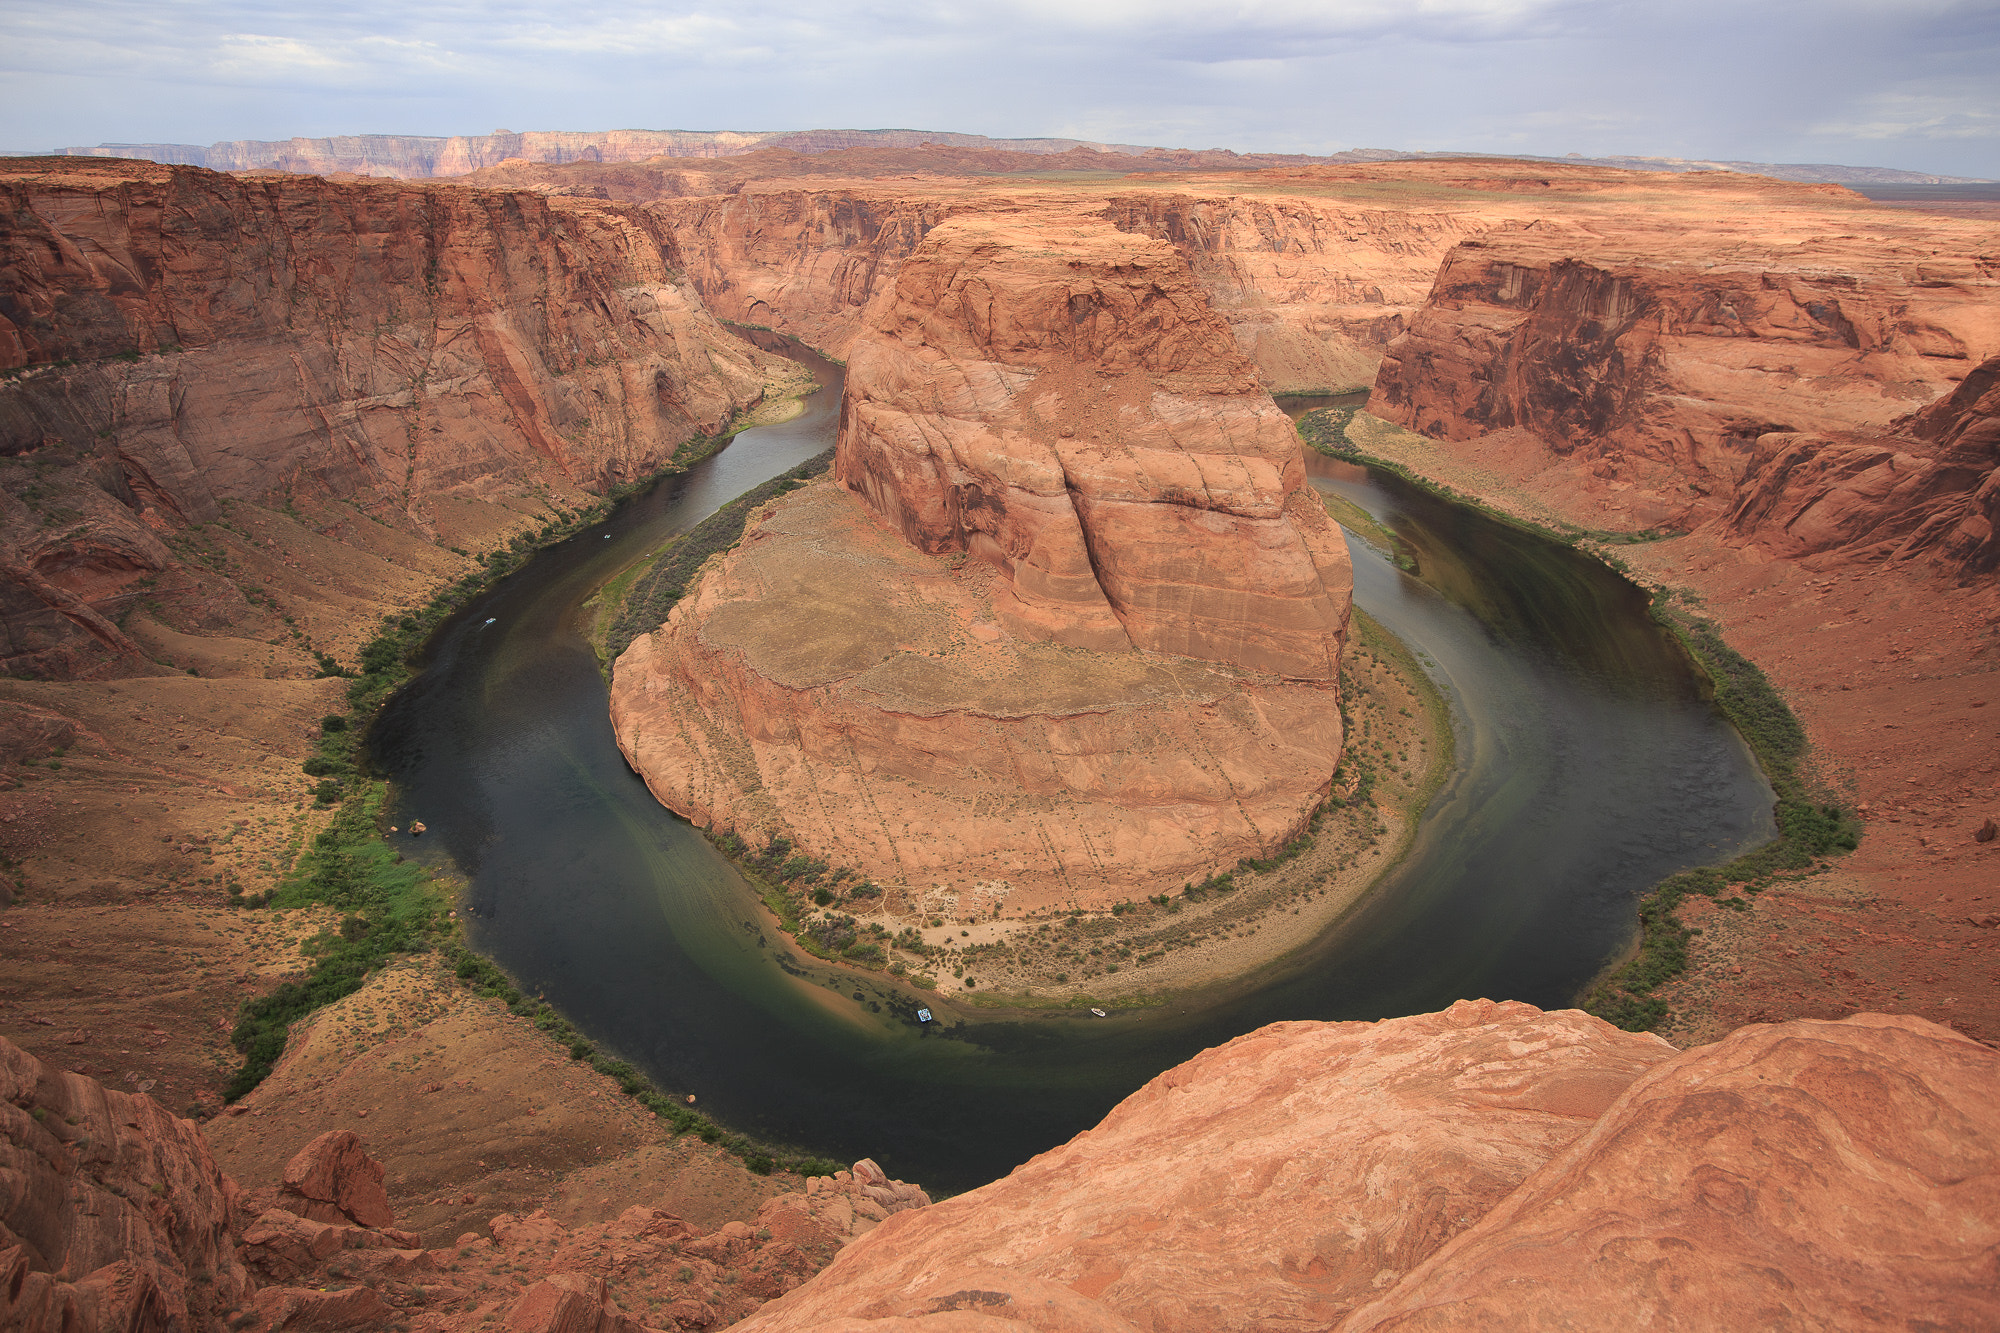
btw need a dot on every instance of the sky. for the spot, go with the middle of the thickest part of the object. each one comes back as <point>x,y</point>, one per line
<point>1899,83</point>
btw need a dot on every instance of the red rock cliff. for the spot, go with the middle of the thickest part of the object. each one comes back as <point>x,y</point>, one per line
<point>181,338</point>
<point>1491,1166</point>
<point>1061,403</point>
<point>1659,353</point>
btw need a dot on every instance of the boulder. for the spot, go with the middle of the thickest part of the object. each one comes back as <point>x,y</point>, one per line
<point>338,1181</point>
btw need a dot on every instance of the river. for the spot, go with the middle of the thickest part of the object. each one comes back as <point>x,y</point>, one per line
<point>1589,766</point>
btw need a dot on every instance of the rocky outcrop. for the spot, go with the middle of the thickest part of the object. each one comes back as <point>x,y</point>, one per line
<point>113,1215</point>
<point>112,1212</point>
<point>182,339</point>
<point>1492,1166</point>
<point>1661,354</point>
<point>1061,404</point>
<point>1931,490</point>
<point>1314,289</point>
<point>1053,455</point>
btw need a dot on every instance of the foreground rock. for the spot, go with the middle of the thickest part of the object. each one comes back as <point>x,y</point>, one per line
<point>113,1215</point>
<point>1052,456</point>
<point>1492,1166</point>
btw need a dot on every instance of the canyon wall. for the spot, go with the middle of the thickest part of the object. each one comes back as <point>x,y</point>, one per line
<point>1929,491</point>
<point>1314,288</point>
<point>1051,455</point>
<point>179,339</point>
<point>1491,1166</point>
<point>1659,353</point>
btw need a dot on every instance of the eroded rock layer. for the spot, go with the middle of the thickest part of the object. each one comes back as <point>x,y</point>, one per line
<point>1659,355</point>
<point>1070,627</point>
<point>181,339</point>
<point>1491,1166</point>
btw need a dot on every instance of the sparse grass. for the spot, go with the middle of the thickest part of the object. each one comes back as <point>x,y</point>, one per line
<point>650,592</point>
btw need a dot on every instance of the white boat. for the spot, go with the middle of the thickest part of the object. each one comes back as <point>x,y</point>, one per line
<point>1099,1012</point>
<point>923,1015</point>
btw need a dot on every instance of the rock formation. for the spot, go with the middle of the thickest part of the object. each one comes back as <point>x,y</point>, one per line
<point>1931,490</point>
<point>1053,455</point>
<point>182,339</point>
<point>1313,288</point>
<point>1660,353</point>
<point>113,1215</point>
<point>1491,1166</point>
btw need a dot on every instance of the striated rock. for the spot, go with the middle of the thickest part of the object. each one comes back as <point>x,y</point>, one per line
<point>186,339</point>
<point>1659,353</point>
<point>338,1181</point>
<point>1930,491</point>
<point>1804,1175</point>
<point>1060,457</point>
<point>1492,1166</point>
<point>1060,403</point>
<point>1278,1180</point>
<point>1312,289</point>
<point>112,1212</point>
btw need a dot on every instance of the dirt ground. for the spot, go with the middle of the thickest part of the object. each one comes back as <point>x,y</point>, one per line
<point>129,806</point>
<point>473,1111</point>
<point>1895,673</point>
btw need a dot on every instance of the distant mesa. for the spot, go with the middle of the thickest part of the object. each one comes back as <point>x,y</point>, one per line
<point>412,156</point>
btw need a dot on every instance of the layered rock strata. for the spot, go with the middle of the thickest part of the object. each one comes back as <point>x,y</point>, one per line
<point>1930,490</point>
<point>1313,289</point>
<point>1491,1166</point>
<point>1070,626</point>
<point>1658,354</point>
<point>180,339</point>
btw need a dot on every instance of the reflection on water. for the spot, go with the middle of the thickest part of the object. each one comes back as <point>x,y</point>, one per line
<point>1590,766</point>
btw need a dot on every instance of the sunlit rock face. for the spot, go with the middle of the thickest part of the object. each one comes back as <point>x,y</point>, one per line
<point>1070,622</point>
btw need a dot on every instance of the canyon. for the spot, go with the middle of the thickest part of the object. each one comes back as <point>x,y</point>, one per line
<point>246,417</point>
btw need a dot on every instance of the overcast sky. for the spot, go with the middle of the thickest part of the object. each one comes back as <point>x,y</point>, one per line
<point>1901,83</point>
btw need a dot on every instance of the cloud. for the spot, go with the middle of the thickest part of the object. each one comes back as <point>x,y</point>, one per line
<point>1890,82</point>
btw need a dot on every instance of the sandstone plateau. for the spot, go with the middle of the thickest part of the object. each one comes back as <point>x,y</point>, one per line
<point>1071,623</point>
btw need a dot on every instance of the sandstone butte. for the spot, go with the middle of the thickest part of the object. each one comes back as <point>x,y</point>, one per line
<point>1068,625</point>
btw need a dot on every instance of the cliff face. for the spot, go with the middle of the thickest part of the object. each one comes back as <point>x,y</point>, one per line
<point>1930,491</point>
<point>1660,356</point>
<point>1313,289</point>
<point>1053,456</point>
<point>1491,1166</point>
<point>1060,403</point>
<point>180,339</point>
